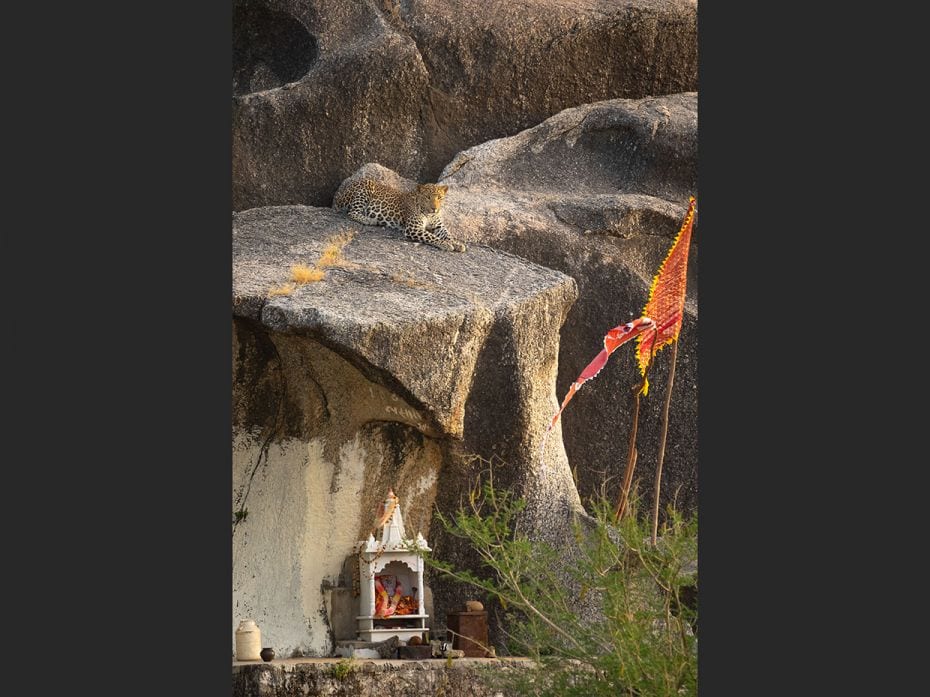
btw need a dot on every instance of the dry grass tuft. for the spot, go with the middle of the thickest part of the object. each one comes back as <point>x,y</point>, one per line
<point>332,254</point>
<point>301,273</point>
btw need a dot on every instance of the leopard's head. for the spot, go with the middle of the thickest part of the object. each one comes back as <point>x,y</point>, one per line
<point>430,196</point>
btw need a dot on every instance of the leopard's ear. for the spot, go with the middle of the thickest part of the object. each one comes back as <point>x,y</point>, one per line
<point>443,189</point>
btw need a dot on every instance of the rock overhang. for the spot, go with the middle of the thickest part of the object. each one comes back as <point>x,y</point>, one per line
<point>409,316</point>
<point>598,192</point>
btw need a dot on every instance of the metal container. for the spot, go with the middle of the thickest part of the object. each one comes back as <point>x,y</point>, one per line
<point>469,632</point>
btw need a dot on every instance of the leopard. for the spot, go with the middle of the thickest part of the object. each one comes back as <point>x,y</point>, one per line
<point>416,213</point>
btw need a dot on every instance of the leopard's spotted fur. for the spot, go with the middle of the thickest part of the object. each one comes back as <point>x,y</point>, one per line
<point>416,212</point>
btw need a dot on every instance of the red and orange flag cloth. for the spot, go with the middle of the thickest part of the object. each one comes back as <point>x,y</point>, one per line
<point>615,338</point>
<point>666,304</point>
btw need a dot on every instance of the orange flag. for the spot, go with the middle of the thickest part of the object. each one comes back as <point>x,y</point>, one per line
<point>614,338</point>
<point>666,304</point>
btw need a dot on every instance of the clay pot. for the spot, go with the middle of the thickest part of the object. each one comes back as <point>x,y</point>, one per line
<point>248,641</point>
<point>267,654</point>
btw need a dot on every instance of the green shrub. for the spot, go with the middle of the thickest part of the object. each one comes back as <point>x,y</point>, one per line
<point>635,637</point>
<point>342,669</point>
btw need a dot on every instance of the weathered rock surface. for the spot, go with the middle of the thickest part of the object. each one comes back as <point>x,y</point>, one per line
<point>340,90</point>
<point>497,68</point>
<point>323,86</point>
<point>391,371</point>
<point>599,192</point>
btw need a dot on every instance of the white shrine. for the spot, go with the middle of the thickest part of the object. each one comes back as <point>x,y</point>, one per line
<point>391,580</point>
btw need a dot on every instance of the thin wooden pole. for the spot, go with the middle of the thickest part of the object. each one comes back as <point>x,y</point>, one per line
<point>633,454</point>
<point>630,459</point>
<point>664,433</point>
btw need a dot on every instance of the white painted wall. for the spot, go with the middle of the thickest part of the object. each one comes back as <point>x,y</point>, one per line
<point>301,524</point>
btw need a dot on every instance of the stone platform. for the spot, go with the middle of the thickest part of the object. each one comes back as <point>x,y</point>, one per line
<point>335,677</point>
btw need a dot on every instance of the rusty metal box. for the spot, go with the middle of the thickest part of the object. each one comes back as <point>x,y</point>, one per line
<point>469,632</point>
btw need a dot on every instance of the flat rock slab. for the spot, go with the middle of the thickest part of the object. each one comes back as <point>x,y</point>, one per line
<point>387,279</point>
<point>412,311</point>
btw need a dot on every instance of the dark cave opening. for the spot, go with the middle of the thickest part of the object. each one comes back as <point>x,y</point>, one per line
<point>270,48</point>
